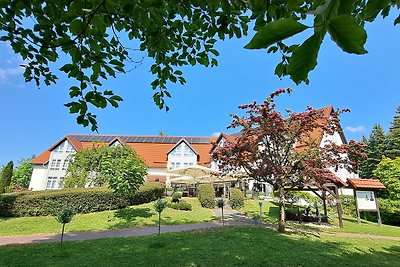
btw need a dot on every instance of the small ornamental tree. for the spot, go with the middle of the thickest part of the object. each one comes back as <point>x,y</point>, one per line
<point>220,203</point>
<point>64,217</point>
<point>286,151</point>
<point>159,206</point>
<point>5,179</point>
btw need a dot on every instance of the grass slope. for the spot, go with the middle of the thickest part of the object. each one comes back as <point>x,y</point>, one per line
<point>241,246</point>
<point>135,216</point>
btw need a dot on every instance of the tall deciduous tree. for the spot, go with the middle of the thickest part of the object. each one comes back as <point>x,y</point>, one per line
<point>388,171</point>
<point>102,38</point>
<point>375,150</point>
<point>22,173</point>
<point>5,179</point>
<point>393,149</point>
<point>119,167</point>
<point>285,150</point>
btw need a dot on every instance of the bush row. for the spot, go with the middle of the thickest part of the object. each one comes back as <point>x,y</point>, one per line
<point>82,200</point>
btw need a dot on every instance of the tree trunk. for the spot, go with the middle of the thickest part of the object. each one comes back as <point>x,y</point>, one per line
<point>159,223</point>
<point>223,222</point>
<point>109,208</point>
<point>62,232</point>
<point>281,223</point>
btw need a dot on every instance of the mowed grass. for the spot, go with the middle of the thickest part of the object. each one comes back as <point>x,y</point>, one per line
<point>271,213</point>
<point>240,246</point>
<point>134,216</point>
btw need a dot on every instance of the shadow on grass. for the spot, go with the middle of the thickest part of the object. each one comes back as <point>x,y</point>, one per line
<point>130,216</point>
<point>231,246</point>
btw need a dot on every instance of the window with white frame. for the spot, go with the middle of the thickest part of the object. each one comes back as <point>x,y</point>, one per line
<point>187,164</point>
<point>177,151</point>
<point>65,164</point>
<point>175,165</point>
<point>53,164</point>
<point>52,182</point>
<point>187,151</point>
<point>59,148</point>
<point>58,164</point>
<point>70,148</point>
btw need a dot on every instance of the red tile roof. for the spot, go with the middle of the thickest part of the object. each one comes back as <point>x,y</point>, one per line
<point>358,183</point>
<point>154,154</point>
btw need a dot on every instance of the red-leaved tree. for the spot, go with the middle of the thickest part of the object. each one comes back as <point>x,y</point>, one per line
<point>286,151</point>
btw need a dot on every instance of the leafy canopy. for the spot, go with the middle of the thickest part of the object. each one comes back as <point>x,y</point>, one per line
<point>102,38</point>
<point>286,150</point>
<point>119,167</point>
<point>22,173</point>
<point>388,171</point>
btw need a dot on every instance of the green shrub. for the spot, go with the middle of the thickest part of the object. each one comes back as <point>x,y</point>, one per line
<point>182,205</point>
<point>236,199</point>
<point>176,197</point>
<point>148,192</point>
<point>206,196</point>
<point>82,200</point>
<point>348,205</point>
<point>390,212</point>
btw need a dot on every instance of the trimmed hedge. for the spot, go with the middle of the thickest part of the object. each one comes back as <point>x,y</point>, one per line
<point>82,200</point>
<point>148,192</point>
<point>206,196</point>
<point>236,199</point>
<point>181,205</point>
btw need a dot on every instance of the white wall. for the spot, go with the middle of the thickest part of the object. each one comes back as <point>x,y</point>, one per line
<point>39,177</point>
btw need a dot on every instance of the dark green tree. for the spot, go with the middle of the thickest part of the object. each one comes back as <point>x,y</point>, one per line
<point>101,38</point>
<point>375,150</point>
<point>6,175</point>
<point>393,149</point>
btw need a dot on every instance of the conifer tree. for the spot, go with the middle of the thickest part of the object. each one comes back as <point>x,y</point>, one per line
<point>377,145</point>
<point>6,175</point>
<point>393,149</point>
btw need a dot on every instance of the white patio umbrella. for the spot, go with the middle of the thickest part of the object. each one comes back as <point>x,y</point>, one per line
<point>194,171</point>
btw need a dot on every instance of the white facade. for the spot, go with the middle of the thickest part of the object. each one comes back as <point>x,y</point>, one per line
<point>51,175</point>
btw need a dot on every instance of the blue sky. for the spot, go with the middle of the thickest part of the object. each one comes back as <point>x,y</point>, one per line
<point>32,119</point>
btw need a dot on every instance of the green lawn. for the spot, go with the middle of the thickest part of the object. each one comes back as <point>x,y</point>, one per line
<point>134,216</point>
<point>271,213</point>
<point>270,210</point>
<point>240,246</point>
